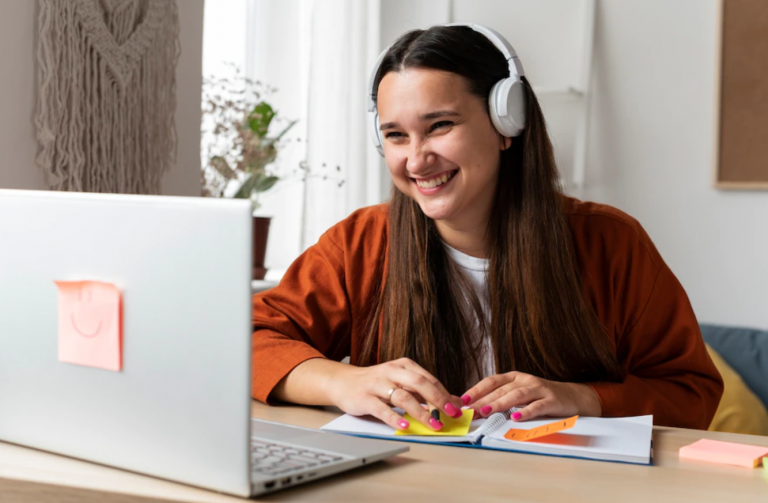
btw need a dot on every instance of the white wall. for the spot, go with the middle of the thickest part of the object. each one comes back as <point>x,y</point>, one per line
<point>184,178</point>
<point>18,79</point>
<point>652,137</point>
<point>283,24</point>
<point>652,153</point>
<point>17,98</point>
<point>267,40</point>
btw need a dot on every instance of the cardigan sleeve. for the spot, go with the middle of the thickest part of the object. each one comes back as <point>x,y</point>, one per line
<point>306,316</point>
<point>668,372</point>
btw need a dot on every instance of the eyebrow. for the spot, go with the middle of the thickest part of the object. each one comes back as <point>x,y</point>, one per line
<point>424,117</point>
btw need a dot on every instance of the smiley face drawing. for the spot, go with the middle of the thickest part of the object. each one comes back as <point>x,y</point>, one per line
<point>88,309</point>
<point>90,319</point>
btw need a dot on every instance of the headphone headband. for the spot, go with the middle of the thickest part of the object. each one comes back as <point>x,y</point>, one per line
<point>501,43</point>
<point>506,101</point>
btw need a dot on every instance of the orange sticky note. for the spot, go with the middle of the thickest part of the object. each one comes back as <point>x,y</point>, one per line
<point>540,431</point>
<point>90,324</point>
<point>727,453</point>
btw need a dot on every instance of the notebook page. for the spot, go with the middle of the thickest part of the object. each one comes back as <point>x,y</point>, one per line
<point>610,439</point>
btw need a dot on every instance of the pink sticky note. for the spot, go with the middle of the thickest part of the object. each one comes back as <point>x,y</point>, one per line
<point>90,324</point>
<point>727,453</point>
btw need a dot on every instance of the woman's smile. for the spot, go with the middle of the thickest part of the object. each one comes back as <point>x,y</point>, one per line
<point>434,184</point>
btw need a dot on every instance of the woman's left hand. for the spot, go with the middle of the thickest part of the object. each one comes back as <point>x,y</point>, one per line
<point>539,396</point>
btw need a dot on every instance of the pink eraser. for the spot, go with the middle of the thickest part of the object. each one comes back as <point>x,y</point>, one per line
<point>727,453</point>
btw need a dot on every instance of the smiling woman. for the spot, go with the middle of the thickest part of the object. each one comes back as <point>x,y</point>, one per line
<point>440,136</point>
<point>479,284</point>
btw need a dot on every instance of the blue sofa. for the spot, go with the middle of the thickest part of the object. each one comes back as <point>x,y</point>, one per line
<point>744,349</point>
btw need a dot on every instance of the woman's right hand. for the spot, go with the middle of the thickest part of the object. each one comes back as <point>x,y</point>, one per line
<point>363,390</point>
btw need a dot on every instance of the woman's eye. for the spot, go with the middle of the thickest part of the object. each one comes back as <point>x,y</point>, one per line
<point>441,124</point>
<point>393,135</point>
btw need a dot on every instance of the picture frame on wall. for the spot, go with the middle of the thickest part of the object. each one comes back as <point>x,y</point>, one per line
<point>741,162</point>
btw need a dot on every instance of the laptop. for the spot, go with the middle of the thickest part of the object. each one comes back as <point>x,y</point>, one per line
<point>162,284</point>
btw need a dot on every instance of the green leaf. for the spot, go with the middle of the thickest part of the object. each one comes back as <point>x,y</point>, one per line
<point>265,183</point>
<point>260,118</point>
<point>244,192</point>
<point>289,126</point>
<point>258,182</point>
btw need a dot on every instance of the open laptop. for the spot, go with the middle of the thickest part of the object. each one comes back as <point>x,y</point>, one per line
<point>179,405</point>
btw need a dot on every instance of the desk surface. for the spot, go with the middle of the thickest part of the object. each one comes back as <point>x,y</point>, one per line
<point>425,473</point>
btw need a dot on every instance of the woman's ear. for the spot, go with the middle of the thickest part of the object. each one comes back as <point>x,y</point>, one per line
<point>505,143</point>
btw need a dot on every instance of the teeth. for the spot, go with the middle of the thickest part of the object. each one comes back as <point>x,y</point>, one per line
<point>430,184</point>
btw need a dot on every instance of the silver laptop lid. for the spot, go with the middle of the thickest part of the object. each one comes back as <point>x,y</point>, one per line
<point>180,407</point>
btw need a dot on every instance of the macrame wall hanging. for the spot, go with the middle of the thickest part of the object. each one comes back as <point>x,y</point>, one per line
<point>107,94</point>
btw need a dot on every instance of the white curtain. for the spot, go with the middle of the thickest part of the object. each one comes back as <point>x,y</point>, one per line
<point>344,45</point>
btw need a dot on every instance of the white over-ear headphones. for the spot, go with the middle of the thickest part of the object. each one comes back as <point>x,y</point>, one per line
<point>506,102</point>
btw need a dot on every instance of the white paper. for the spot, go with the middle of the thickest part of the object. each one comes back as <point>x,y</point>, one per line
<point>625,439</point>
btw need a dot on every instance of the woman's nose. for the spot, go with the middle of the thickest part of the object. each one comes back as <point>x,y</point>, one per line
<point>419,160</point>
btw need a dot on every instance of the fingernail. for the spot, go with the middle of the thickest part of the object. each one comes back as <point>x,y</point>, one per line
<point>451,410</point>
<point>435,424</point>
<point>486,410</point>
<point>476,414</point>
<point>466,399</point>
<point>516,416</point>
<point>403,424</point>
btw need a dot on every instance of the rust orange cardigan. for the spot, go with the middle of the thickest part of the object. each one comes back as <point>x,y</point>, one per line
<point>320,308</point>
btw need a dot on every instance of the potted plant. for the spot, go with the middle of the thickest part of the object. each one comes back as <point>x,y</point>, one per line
<point>240,152</point>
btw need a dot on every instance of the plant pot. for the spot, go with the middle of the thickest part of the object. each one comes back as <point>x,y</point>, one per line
<point>260,233</point>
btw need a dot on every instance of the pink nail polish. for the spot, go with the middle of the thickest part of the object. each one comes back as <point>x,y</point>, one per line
<point>516,416</point>
<point>451,410</point>
<point>435,424</point>
<point>476,414</point>
<point>403,424</point>
<point>486,410</point>
<point>466,399</point>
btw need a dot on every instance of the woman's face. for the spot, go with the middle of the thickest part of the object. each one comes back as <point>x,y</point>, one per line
<point>440,145</point>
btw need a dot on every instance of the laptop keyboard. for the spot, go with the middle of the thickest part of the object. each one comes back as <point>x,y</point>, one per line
<point>270,458</point>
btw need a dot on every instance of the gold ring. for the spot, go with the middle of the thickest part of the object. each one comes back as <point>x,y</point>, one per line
<point>389,396</point>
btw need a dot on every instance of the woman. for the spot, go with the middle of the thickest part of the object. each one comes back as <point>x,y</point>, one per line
<point>479,283</point>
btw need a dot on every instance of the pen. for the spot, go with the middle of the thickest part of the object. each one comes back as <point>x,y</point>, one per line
<point>434,412</point>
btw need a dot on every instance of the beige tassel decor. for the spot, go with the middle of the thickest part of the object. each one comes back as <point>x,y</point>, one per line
<point>107,94</point>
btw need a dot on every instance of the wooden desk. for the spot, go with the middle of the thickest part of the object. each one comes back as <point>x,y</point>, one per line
<point>425,473</point>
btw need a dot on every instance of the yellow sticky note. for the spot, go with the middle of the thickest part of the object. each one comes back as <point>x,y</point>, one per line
<point>451,427</point>
<point>546,429</point>
<point>90,324</point>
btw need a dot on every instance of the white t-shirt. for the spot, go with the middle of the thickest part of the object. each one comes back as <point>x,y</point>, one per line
<point>476,268</point>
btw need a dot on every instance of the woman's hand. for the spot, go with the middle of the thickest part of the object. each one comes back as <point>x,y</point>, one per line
<point>539,396</point>
<point>363,390</point>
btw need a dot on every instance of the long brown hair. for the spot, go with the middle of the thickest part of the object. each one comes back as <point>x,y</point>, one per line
<point>540,321</point>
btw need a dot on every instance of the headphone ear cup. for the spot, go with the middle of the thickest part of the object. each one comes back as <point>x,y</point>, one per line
<point>506,106</point>
<point>378,141</point>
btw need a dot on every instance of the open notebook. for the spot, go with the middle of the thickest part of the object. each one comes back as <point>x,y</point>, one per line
<point>625,439</point>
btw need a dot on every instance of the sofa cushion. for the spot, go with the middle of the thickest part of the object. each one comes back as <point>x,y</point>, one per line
<point>746,350</point>
<point>740,411</point>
